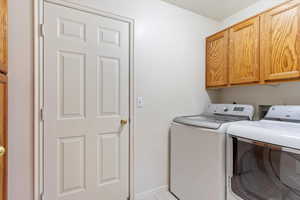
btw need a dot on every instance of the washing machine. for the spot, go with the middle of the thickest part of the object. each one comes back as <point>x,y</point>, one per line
<point>197,151</point>
<point>263,157</point>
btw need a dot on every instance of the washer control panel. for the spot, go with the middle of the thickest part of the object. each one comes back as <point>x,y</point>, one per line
<point>239,109</point>
<point>231,109</point>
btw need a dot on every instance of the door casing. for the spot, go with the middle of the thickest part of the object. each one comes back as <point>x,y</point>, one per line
<point>39,91</point>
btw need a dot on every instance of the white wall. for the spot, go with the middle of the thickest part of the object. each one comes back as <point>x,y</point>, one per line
<point>285,93</point>
<point>282,94</point>
<point>252,10</point>
<point>169,63</point>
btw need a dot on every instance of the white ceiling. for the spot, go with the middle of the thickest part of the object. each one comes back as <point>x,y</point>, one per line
<point>216,9</point>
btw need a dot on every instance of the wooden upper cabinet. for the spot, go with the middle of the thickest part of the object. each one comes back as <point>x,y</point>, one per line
<point>244,52</point>
<point>3,36</point>
<point>280,42</point>
<point>217,60</point>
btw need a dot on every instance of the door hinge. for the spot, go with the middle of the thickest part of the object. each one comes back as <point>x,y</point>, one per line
<point>42,30</point>
<point>42,117</point>
<point>229,181</point>
<point>42,196</point>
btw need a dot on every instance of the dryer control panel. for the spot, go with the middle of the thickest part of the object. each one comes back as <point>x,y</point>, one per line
<point>285,113</point>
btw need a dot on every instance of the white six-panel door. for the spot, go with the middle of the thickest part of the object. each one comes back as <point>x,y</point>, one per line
<point>86,95</point>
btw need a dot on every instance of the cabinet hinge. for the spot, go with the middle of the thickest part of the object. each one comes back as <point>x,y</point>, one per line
<point>42,117</point>
<point>42,30</point>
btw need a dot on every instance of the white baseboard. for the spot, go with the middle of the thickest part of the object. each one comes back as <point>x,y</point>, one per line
<point>160,193</point>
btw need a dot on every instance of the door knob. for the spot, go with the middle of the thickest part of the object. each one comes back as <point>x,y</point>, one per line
<point>124,122</point>
<point>2,151</point>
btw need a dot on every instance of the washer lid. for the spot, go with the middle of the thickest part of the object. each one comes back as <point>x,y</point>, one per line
<point>207,121</point>
<point>286,134</point>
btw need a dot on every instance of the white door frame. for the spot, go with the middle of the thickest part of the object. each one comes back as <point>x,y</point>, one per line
<point>39,91</point>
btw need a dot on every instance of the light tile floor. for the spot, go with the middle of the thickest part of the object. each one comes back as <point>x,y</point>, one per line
<point>164,196</point>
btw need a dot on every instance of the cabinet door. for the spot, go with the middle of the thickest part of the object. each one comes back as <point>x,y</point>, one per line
<point>3,137</point>
<point>3,36</point>
<point>280,42</point>
<point>217,60</point>
<point>244,52</point>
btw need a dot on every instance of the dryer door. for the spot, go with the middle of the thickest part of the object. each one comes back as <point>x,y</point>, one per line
<point>262,171</point>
